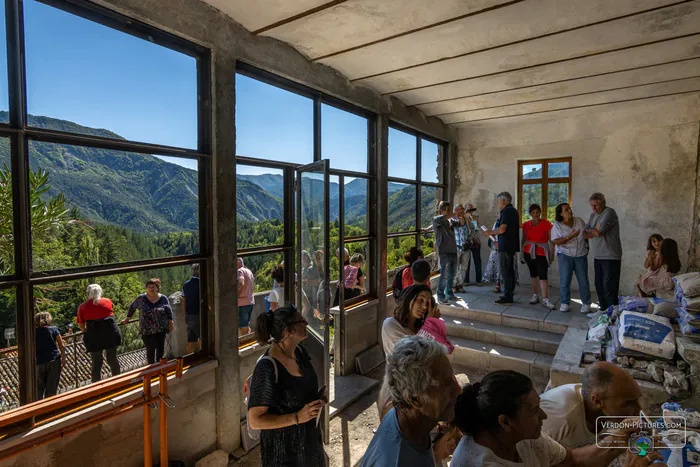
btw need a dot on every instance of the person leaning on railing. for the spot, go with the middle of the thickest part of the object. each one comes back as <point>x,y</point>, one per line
<point>155,319</point>
<point>96,319</point>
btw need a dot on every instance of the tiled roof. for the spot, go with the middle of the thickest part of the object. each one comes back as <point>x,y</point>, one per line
<point>77,369</point>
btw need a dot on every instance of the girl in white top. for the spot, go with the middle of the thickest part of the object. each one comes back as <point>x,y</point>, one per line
<point>572,254</point>
<point>410,314</point>
<point>501,420</point>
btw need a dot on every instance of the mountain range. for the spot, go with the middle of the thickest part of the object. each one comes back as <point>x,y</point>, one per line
<point>146,194</point>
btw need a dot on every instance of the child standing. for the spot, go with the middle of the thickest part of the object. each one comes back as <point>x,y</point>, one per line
<point>358,261</point>
<point>50,355</point>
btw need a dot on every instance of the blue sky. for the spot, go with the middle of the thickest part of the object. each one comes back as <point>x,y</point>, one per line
<point>84,72</point>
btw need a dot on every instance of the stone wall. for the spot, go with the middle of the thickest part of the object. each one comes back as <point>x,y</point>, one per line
<point>642,155</point>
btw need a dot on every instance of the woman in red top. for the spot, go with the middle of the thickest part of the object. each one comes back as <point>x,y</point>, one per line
<point>96,319</point>
<point>538,252</point>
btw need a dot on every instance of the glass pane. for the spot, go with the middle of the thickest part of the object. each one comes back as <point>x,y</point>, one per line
<point>312,238</point>
<point>9,390</point>
<point>430,198</point>
<point>558,169</point>
<point>532,194</point>
<point>259,206</point>
<point>261,267</point>
<point>70,308</point>
<point>402,209</point>
<point>272,123</point>
<point>430,251</point>
<point>557,193</point>
<point>532,171</point>
<point>344,139</point>
<point>402,155</point>
<point>359,252</point>
<point>4,96</point>
<point>396,248</point>
<point>356,198</point>
<point>98,206</point>
<point>430,158</point>
<point>111,84</point>
<point>7,240</point>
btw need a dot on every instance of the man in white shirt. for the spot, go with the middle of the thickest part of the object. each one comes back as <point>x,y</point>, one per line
<point>573,409</point>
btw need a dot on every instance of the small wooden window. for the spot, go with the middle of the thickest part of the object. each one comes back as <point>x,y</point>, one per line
<point>546,182</point>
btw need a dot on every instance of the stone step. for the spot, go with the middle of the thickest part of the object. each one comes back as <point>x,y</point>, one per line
<point>490,357</point>
<point>515,337</point>
<point>519,314</point>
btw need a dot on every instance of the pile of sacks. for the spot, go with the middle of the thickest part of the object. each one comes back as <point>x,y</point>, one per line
<point>687,292</point>
<point>641,342</point>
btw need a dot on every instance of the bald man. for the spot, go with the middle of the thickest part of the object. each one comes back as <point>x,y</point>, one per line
<point>573,409</point>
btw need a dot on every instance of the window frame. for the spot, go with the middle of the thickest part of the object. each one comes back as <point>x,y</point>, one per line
<point>544,181</point>
<point>418,183</point>
<point>288,247</point>
<point>24,279</point>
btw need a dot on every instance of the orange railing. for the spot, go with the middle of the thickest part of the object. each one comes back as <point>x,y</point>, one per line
<point>74,397</point>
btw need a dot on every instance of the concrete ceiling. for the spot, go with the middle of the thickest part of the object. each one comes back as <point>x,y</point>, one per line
<point>474,60</point>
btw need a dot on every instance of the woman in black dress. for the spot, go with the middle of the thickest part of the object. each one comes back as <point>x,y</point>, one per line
<point>285,407</point>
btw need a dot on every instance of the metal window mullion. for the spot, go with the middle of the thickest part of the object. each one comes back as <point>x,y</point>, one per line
<point>341,270</point>
<point>20,199</point>
<point>290,219</point>
<point>317,129</point>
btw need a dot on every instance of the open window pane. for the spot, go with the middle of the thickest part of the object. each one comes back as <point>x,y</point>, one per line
<point>430,199</point>
<point>261,267</point>
<point>532,194</point>
<point>558,170</point>
<point>430,157</point>
<point>96,354</point>
<point>98,206</point>
<point>532,171</point>
<point>111,84</point>
<point>7,240</point>
<point>272,123</point>
<point>4,95</point>
<point>9,354</point>
<point>356,201</point>
<point>402,155</point>
<point>259,206</point>
<point>557,193</point>
<point>344,139</point>
<point>402,209</point>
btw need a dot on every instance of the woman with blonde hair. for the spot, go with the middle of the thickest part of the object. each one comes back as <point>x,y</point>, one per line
<point>49,347</point>
<point>96,319</point>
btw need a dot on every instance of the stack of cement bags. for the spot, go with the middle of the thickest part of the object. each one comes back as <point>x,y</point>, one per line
<point>687,291</point>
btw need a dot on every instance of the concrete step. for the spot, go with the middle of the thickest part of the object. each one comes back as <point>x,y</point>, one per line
<point>515,337</point>
<point>490,357</point>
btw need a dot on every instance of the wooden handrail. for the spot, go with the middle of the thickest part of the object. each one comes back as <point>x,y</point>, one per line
<point>81,394</point>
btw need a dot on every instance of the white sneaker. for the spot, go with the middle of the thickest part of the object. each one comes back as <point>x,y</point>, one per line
<point>585,309</point>
<point>564,308</point>
<point>534,299</point>
<point>548,304</point>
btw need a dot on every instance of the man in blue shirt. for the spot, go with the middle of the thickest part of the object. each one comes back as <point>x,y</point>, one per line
<point>190,302</point>
<point>508,232</point>
<point>424,392</point>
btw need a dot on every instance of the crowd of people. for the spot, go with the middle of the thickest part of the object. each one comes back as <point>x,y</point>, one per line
<point>102,334</point>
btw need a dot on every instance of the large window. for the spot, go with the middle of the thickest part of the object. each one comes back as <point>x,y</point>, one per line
<point>414,189</point>
<point>546,182</point>
<point>281,125</point>
<point>106,133</point>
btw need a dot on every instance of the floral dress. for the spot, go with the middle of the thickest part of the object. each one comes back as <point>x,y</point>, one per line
<point>492,272</point>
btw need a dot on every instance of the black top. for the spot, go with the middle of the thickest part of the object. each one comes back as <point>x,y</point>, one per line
<point>509,241</point>
<point>191,292</point>
<point>46,348</point>
<point>296,445</point>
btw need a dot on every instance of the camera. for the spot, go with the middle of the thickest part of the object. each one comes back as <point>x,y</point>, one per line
<point>470,210</point>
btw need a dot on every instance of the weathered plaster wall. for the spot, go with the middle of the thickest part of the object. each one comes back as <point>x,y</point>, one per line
<point>642,155</point>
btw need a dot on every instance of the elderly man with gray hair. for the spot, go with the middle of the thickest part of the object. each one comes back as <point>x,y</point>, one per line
<point>508,232</point>
<point>603,231</point>
<point>424,392</point>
